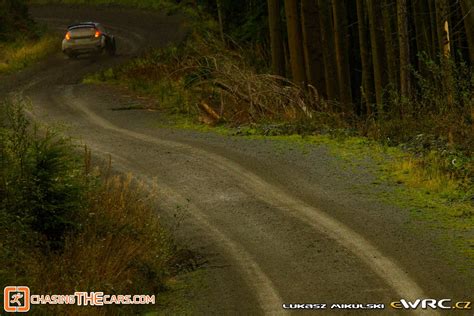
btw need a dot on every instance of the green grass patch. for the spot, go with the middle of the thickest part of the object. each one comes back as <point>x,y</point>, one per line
<point>422,181</point>
<point>22,53</point>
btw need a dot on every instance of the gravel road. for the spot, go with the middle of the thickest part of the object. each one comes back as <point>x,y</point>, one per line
<point>275,223</point>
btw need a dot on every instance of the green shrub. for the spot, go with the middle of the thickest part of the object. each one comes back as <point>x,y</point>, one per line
<point>41,185</point>
<point>67,227</point>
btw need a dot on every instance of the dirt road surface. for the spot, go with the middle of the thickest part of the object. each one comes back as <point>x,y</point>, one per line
<point>276,224</point>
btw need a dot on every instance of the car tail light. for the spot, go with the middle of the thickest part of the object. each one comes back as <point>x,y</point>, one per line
<point>97,34</point>
<point>68,36</point>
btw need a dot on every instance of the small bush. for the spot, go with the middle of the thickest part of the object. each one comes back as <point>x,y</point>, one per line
<point>41,178</point>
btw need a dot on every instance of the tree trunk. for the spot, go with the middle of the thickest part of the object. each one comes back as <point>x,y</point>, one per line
<point>295,42</point>
<point>433,28</point>
<point>276,38</point>
<point>312,45</point>
<point>442,12</point>
<point>327,46</point>
<point>377,44</point>
<point>467,7</point>
<point>403,43</point>
<point>342,52</point>
<point>457,37</point>
<point>391,47</point>
<point>442,15</point>
<point>364,46</point>
<point>221,20</point>
<point>421,18</point>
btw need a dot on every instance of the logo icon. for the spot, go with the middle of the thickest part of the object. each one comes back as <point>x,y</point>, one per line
<point>16,299</point>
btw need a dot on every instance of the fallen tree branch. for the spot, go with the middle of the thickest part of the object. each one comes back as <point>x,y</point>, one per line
<point>209,111</point>
<point>241,96</point>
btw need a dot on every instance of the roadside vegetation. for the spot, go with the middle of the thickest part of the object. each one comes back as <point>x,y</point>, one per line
<point>22,41</point>
<point>219,86</point>
<point>23,52</point>
<point>68,226</point>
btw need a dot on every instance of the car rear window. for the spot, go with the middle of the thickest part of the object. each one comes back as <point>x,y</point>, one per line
<point>82,32</point>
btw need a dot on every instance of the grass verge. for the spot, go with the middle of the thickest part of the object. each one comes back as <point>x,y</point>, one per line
<point>66,226</point>
<point>22,53</point>
<point>187,82</point>
<point>431,195</point>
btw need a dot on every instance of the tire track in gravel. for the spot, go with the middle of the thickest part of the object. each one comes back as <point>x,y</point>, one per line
<point>267,295</point>
<point>384,267</point>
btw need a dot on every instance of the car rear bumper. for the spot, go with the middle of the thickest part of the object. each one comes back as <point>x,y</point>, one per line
<point>92,46</point>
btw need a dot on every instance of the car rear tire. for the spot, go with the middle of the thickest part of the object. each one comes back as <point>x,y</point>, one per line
<point>112,48</point>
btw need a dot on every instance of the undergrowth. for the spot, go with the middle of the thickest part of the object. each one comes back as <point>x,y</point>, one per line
<point>68,226</point>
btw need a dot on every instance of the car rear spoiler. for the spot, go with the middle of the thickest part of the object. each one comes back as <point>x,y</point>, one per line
<point>90,24</point>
